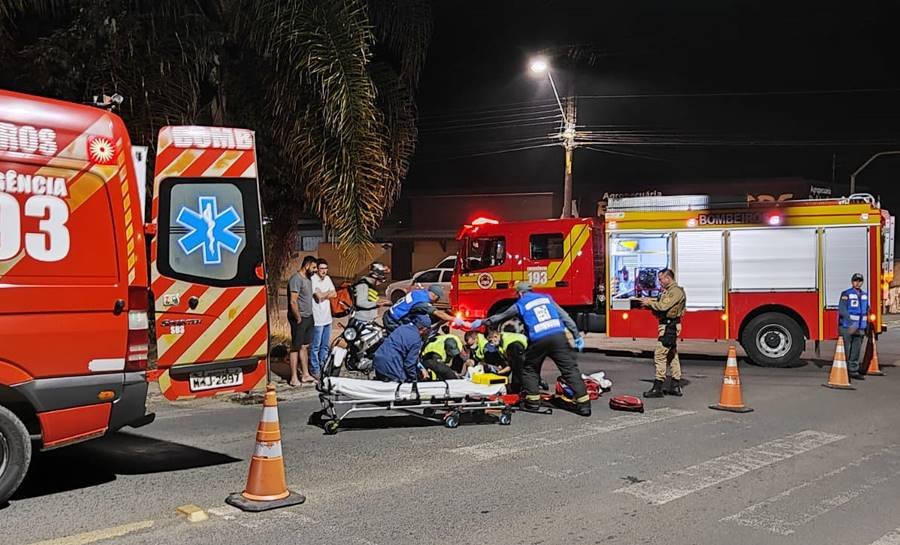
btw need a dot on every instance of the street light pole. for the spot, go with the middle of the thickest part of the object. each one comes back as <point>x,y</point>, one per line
<point>567,135</point>
<point>864,165</point>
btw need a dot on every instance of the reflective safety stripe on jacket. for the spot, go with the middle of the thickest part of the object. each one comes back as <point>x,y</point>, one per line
<point>402,307</point>
<point>507,338</point>
<point>438,346</point>
<point>479,348</point>
<point>857,304</point>
<point>538,311</point>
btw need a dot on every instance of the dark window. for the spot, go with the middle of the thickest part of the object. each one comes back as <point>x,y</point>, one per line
<point>447,263</point>
<point>210,231</point>
<point>429,276</point>
<point>485,252</point>
<point>447,276</point>
<point>546,246</point>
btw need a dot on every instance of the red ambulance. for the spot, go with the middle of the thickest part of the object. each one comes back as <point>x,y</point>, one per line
<point>82,277</point>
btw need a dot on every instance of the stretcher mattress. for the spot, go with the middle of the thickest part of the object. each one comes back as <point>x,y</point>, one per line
<point>376,390</point>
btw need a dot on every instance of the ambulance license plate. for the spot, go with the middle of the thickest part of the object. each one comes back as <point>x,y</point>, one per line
<point>210,380</point>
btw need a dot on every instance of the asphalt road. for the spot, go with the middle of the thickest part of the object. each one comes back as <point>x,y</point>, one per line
<point>809,465</point>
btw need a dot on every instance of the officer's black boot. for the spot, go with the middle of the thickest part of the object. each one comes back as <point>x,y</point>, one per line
<point>656,391</point>
<point>583,409</point>
<point>675,388</point>
<point>531,405</point>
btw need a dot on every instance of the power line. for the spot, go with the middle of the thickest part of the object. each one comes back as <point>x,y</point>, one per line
<point>497,152</point>
<point>477,112</point>
<point>484,119</point>
<point>744,93</point>
<point>492,126</point>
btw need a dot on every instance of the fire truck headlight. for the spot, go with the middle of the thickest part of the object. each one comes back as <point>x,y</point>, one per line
<point>624,315</point>
<point>775,220</point>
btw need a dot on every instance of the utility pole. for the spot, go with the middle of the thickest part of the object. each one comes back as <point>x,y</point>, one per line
<point>568,138</point>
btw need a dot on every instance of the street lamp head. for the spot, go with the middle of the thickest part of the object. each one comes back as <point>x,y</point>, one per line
<point>539,65</point>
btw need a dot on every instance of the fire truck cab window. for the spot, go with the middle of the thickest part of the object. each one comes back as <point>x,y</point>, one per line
<point>546,246</point>
<point>635,265</point>
<point>485,252</point>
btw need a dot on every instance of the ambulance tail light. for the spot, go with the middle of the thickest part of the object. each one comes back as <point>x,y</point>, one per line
<point>138,330</point>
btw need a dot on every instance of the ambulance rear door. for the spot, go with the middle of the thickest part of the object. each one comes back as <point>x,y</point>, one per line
<point>208,279</point>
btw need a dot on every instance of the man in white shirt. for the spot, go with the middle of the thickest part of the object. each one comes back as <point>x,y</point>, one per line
<point>323,291</point>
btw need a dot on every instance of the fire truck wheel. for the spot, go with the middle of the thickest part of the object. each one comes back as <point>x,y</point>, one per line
<point>773,339</point>
<point>15,453</point>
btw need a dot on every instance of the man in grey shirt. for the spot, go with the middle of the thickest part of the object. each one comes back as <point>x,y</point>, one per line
<point>300,303</point>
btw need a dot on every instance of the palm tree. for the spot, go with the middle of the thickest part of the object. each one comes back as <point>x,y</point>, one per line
<point>328,85</point>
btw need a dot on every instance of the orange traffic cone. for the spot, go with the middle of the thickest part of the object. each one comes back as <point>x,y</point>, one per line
<point>838,377</point>
<point>872,357</point>
<point>266,485</point>
<point>730,399</point>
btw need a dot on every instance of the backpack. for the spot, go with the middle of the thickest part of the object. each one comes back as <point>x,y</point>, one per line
<point>342,304</point>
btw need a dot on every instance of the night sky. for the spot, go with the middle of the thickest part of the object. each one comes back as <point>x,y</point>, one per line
<point>753,90</point>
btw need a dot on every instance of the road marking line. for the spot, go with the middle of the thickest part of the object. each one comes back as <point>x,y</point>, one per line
<point>677,484</point>
<point>491,450</point>
<point>890,538</point>
<point>752,516</point>
<point>98,535</point>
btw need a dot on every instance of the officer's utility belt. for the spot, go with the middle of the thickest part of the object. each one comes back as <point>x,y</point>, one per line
<point>670,332</point>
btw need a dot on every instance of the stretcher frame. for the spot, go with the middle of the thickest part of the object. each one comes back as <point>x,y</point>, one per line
<point>441,410</point>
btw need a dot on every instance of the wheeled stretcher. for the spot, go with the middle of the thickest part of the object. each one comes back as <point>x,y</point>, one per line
<point>440,401</point>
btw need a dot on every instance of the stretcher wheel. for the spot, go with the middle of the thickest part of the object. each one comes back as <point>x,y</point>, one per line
<point>451,420</point>
<point>331,427</point>
<point>505,418</point>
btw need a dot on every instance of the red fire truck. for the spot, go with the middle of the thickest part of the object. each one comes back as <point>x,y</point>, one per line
<point>77,286</point>
<point>768,275</point>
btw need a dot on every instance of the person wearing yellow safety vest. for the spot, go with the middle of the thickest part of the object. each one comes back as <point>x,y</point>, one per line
<point>546,323</point>
<point>440,355</point>
<point>499,352</point>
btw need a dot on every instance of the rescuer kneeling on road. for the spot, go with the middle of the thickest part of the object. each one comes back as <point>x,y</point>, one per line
<point>669,309</point>
<point>545,323</point>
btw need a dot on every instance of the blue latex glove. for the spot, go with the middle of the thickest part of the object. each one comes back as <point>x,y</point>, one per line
<point>458,322</point>
<point>579,344</point>
<point>476,324</point>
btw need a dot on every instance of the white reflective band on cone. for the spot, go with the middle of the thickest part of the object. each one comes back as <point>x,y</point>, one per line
<point>270,414</point>
<point>268,450</point>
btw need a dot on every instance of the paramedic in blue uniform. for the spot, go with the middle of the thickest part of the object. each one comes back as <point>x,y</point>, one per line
<point>416,302</point>
<point>853,318</point>
<point>397,359</point>
<point>546,324</point>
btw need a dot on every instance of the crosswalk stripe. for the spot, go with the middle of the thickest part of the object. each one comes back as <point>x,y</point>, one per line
<point>531,441</point>
<point>678,484</point>
<point>756,517</point>
<point>890,538</point>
